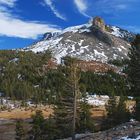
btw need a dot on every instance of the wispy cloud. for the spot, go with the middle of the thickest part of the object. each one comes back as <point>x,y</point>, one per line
<point>11,26</point>
<point>104,7</point>
<point>113,6</point>
<point>9,3</point>
<point>82,7</point>
<point>54,10</point>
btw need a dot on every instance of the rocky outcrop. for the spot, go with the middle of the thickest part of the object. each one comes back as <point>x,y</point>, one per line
<point>95,66</point>
<point>129,129</point>
<point>99,22</point>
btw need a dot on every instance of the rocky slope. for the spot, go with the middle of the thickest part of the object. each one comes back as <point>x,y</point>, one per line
<point>126,131</point>
<point>92,41</point>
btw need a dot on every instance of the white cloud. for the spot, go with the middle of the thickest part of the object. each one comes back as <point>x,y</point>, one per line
<point>9,3</point>
<point>113,6</point>
<point>14,27</point>
<point>82,7</point>
<point>54,10</point>
<point>109,7</point>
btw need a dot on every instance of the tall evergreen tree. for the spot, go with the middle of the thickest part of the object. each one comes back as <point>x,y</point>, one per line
<point>116,111</point>
<point>38,130</point>
<point>134,72</point>
<point>66,107</point>
<point>72,113</point>
<point>20,133</point>
<point>111,111</point>
<point>85,123</point>
<point>134,67</point>
<point>137,109</point>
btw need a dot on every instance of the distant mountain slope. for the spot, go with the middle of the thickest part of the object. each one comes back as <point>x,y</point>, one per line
<point>92,41</point>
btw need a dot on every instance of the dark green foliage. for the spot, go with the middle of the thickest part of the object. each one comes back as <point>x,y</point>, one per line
<point>105,84</point>
<point>119,63</point>
<point>137,110</point>
<point>23,78</point>
<point>85,123</point>
<point>134,67</point>
<point>54,81</point>
<point>20,133</point>
<point>134,73</point>
<point>65,89</point>
<point>51,129</point>
<point>124,114</point>
<point>20,76</point>
<point>64,111</point>
<point>38,130</point>
<point>42,129</point>
<point>111,111</point>
<point>117,112</point>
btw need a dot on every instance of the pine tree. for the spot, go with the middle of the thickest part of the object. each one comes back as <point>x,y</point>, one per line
<point>38,127</point>
<point>117,112</point>
<point>85,122</point>
<point>134,72</point>
<point>65,112</point>
<point>20,133</point>
<point>123,112</point>
<point>72,112</point>
<point>51,129</point>
<point>134,67</point>
<point>111,111</point>
<point>137,109</point>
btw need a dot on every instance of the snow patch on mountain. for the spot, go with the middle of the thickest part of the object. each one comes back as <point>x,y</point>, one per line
<point>124,34</point>
<point>80,28</point>
<point>100,55</point>
<point>45,45</point>
<point>86,42</point>
<point>116,32</point>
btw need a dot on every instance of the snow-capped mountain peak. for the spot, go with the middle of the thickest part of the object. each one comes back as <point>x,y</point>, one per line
<point>92,41</point>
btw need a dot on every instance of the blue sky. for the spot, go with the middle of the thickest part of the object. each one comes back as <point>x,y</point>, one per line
<point>22,22</point>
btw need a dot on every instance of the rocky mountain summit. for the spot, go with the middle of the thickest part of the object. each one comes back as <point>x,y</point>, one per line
<point>99,22</point>
<point>92,41</point>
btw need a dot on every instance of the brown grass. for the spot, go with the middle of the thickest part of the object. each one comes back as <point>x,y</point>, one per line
<point>47,110</point>
<point>25,113</point>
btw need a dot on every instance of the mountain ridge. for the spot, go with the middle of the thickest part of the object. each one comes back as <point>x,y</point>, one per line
<point>92,41</point>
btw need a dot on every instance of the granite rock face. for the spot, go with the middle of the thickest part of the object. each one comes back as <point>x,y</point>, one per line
<point>99,22</point>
